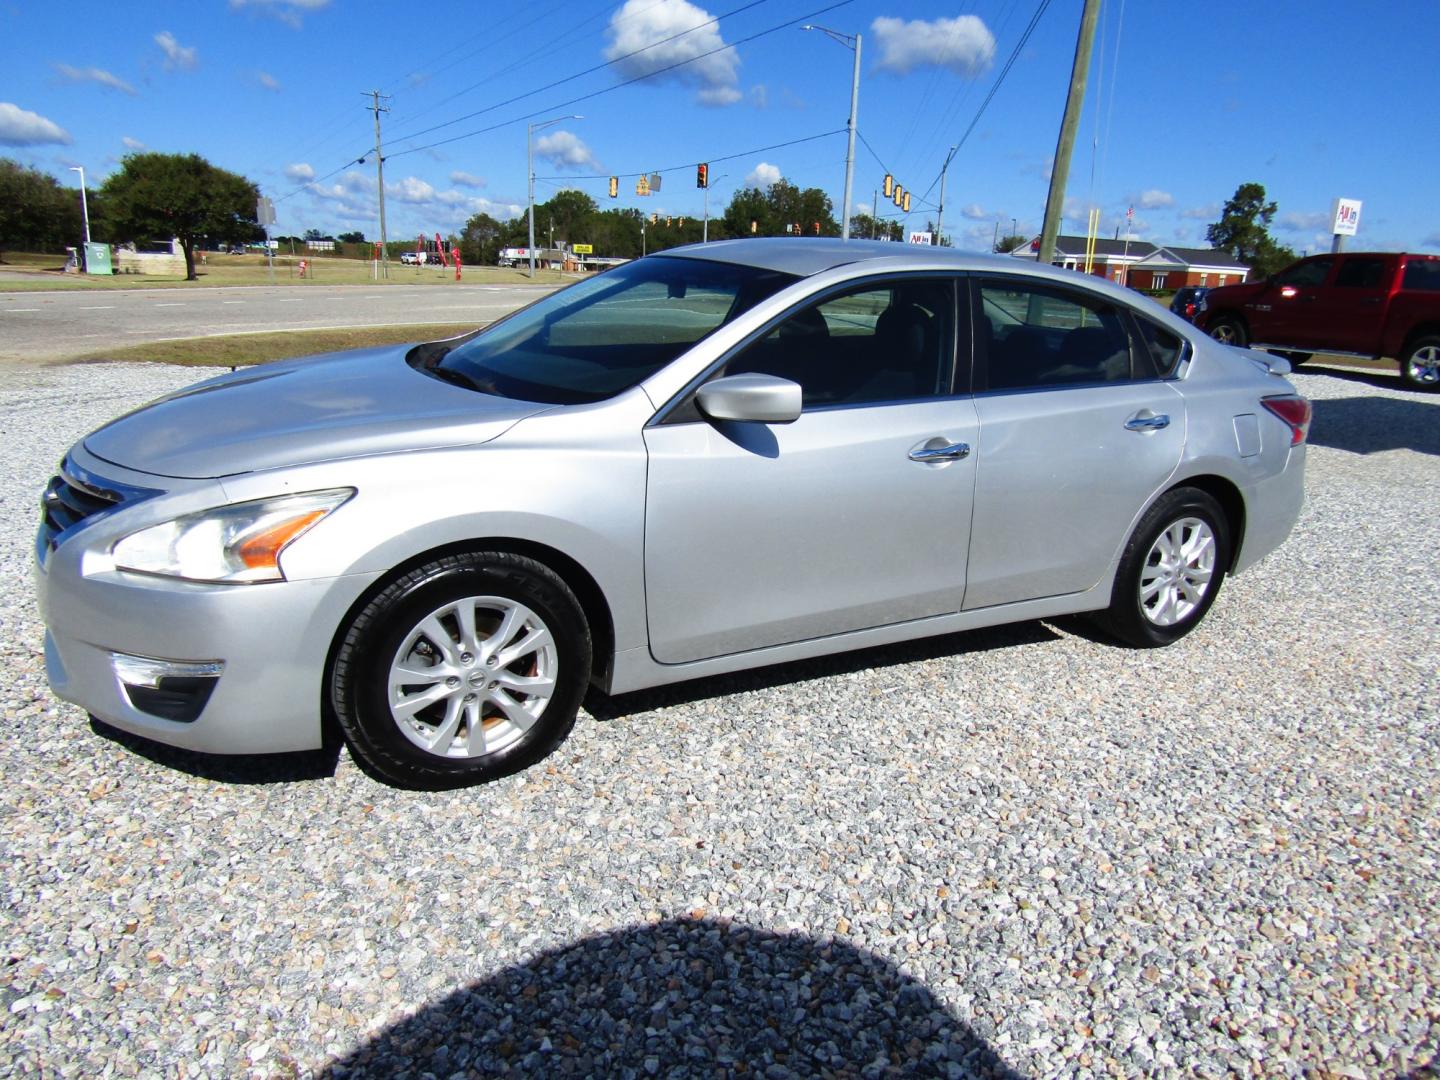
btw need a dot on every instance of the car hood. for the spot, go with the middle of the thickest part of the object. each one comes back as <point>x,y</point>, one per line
<point>303,411</point>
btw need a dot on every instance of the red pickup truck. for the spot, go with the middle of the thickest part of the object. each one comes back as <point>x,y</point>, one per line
<point>1362,303</point>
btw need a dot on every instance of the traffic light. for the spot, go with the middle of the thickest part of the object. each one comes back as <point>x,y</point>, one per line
<point>702,176</point>
<point>614,187</point>
<point>899,195</point>
<point>669,221</point>
<point>889,185</point>
<point>906,205</point>
<point>817,228</point>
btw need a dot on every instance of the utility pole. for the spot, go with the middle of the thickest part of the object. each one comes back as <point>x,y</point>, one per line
<point>377,109</point>
<point>1060,173</point>
<point>940,215</point>
<point>850,41</point>
<point>874,212</point>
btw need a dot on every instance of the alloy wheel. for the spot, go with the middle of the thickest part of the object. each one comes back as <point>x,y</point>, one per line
<point>1178,571</point>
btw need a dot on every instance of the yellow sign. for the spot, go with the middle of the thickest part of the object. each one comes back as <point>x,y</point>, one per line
<point>583,249</point>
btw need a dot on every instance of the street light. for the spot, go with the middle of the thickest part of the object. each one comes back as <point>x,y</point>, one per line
<point>84,207</point>
<point>709,183</point>
<point>850,41</point>
<point>530,171</point>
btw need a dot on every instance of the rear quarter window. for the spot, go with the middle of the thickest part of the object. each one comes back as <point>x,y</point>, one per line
<point>1164,347</point>
<point>1422,276</point>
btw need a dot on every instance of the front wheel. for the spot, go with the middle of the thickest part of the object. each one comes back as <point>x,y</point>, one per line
<point>1420,363</point>
<point>464,670</point>
<point>1170,571</point>
<point>1229,330</point>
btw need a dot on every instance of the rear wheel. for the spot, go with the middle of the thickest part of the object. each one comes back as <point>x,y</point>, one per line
<point>1228,330</point>
<point>464,670</point>
<point>1420,363</point>
<point>1170,571</point>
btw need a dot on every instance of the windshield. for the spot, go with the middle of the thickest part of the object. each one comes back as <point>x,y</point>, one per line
<point>602,336</point>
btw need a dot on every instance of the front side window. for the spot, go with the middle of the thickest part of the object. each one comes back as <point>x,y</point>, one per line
<point>605,335</point>
<point>1039,336</point>
<point>891,341</point>
<point>1307,274</point>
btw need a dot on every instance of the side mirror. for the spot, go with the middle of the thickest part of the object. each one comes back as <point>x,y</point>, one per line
<point>762,399</point>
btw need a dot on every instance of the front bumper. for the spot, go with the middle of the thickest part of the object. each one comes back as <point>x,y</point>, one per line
<point>273,640</point>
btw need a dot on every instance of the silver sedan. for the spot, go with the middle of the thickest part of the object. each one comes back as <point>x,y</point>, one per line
<point>716,458</point>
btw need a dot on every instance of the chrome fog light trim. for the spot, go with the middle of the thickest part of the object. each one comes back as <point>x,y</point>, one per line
<point>147,672</point>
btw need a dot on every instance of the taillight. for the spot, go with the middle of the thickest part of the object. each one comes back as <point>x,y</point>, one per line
<point>1189,311</point>
<point>1294,410</point>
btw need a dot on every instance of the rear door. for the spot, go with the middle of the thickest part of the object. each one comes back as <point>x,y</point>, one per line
<point>1350,309</point>
<point>1077,432</point>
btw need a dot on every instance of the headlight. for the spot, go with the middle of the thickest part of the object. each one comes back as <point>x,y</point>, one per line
<point>234,544</point>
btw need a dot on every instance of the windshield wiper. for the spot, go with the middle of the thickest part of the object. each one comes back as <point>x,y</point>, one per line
<point>450,375</point>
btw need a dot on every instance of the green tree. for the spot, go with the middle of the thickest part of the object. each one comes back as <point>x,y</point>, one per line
<point>865,227</point>
<point>479,239</point>
<point>1007,244</point>
<point>1244,231</point>
<point>36,212</point>
<point>157,196</point>
<point>565,217</point>
<point>782,204</point>
<point>356,237</point>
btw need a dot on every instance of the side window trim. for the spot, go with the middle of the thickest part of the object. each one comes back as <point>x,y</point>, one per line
<point>681,408</point>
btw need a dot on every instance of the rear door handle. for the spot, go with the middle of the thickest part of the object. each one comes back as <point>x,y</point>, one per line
<point>943,451</point>
<point>1147,421</point>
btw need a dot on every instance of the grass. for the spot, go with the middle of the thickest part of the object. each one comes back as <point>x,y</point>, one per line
<point>240,350</point>
<point>46,272</point>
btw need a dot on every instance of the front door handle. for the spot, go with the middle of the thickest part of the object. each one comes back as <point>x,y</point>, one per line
<point>941,451</point>
<point>1147,421</point>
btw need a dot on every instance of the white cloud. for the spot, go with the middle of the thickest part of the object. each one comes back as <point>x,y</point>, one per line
<point>975,212</point>
<point>565,150</point>
<point>1154,199</point>
<point>99,76</point>
<point>762,176</point>
<point>465,179</point>
<point>1303,222</point>
<point>641,24</point>
<point>963,44</point>
<point>132,144</point>
<point>287,11</point>
<point>300,172</point>
<point>185,57</point>
<point>1202,213</point>
<point>410,190</point>
<point>268,81</point>
<point>20,127</point>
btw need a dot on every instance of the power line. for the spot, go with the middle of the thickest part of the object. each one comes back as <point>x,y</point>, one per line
<point>999,81</point>
<point>627,82</point>
<point>692,164</point>
<point>581,74</point>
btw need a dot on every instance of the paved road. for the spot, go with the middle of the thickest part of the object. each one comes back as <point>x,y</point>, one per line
<point>52,325</point>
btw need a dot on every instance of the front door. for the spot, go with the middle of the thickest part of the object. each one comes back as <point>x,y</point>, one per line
<point>759,535</point>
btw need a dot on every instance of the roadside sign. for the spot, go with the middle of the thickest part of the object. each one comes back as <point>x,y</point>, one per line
<point>265,211</point>
<point>921,238</point>
<point>583,249</point>
<point>1346,217</point>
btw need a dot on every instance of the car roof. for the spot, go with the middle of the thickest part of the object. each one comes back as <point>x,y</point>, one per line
<point>812,255</point>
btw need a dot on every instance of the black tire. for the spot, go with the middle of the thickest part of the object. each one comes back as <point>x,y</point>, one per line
<point>1230,330</point>
<point>1420,363</point>
<point>359,680</point>
<point>1128,617</point>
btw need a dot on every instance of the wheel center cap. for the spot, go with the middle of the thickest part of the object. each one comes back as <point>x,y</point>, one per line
<point>477,679</point>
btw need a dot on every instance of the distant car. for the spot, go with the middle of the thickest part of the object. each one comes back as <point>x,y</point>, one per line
<point>1186,301</point>
<point>237,249</point>
<point>412,258</point>
<point>717,458</point>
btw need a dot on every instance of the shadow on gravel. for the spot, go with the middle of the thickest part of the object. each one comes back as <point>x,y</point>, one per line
<point>228,768</point>
<point>603,706</point>
<point>684,998</point>
<point>1365,425</point>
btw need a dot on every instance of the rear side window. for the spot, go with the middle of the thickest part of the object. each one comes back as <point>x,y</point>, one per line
<point>1360,273</point>
<point>1036,336</point>
<point>1163,346</point>
<point>1423,276</point>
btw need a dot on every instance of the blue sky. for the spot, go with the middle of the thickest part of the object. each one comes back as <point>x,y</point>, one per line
<point>1314,101</point>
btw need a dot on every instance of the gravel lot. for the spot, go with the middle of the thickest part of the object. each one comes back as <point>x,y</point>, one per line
<point>1016,852</point>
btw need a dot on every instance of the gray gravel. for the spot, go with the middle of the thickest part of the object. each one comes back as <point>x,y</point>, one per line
<point>1013,852</point>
